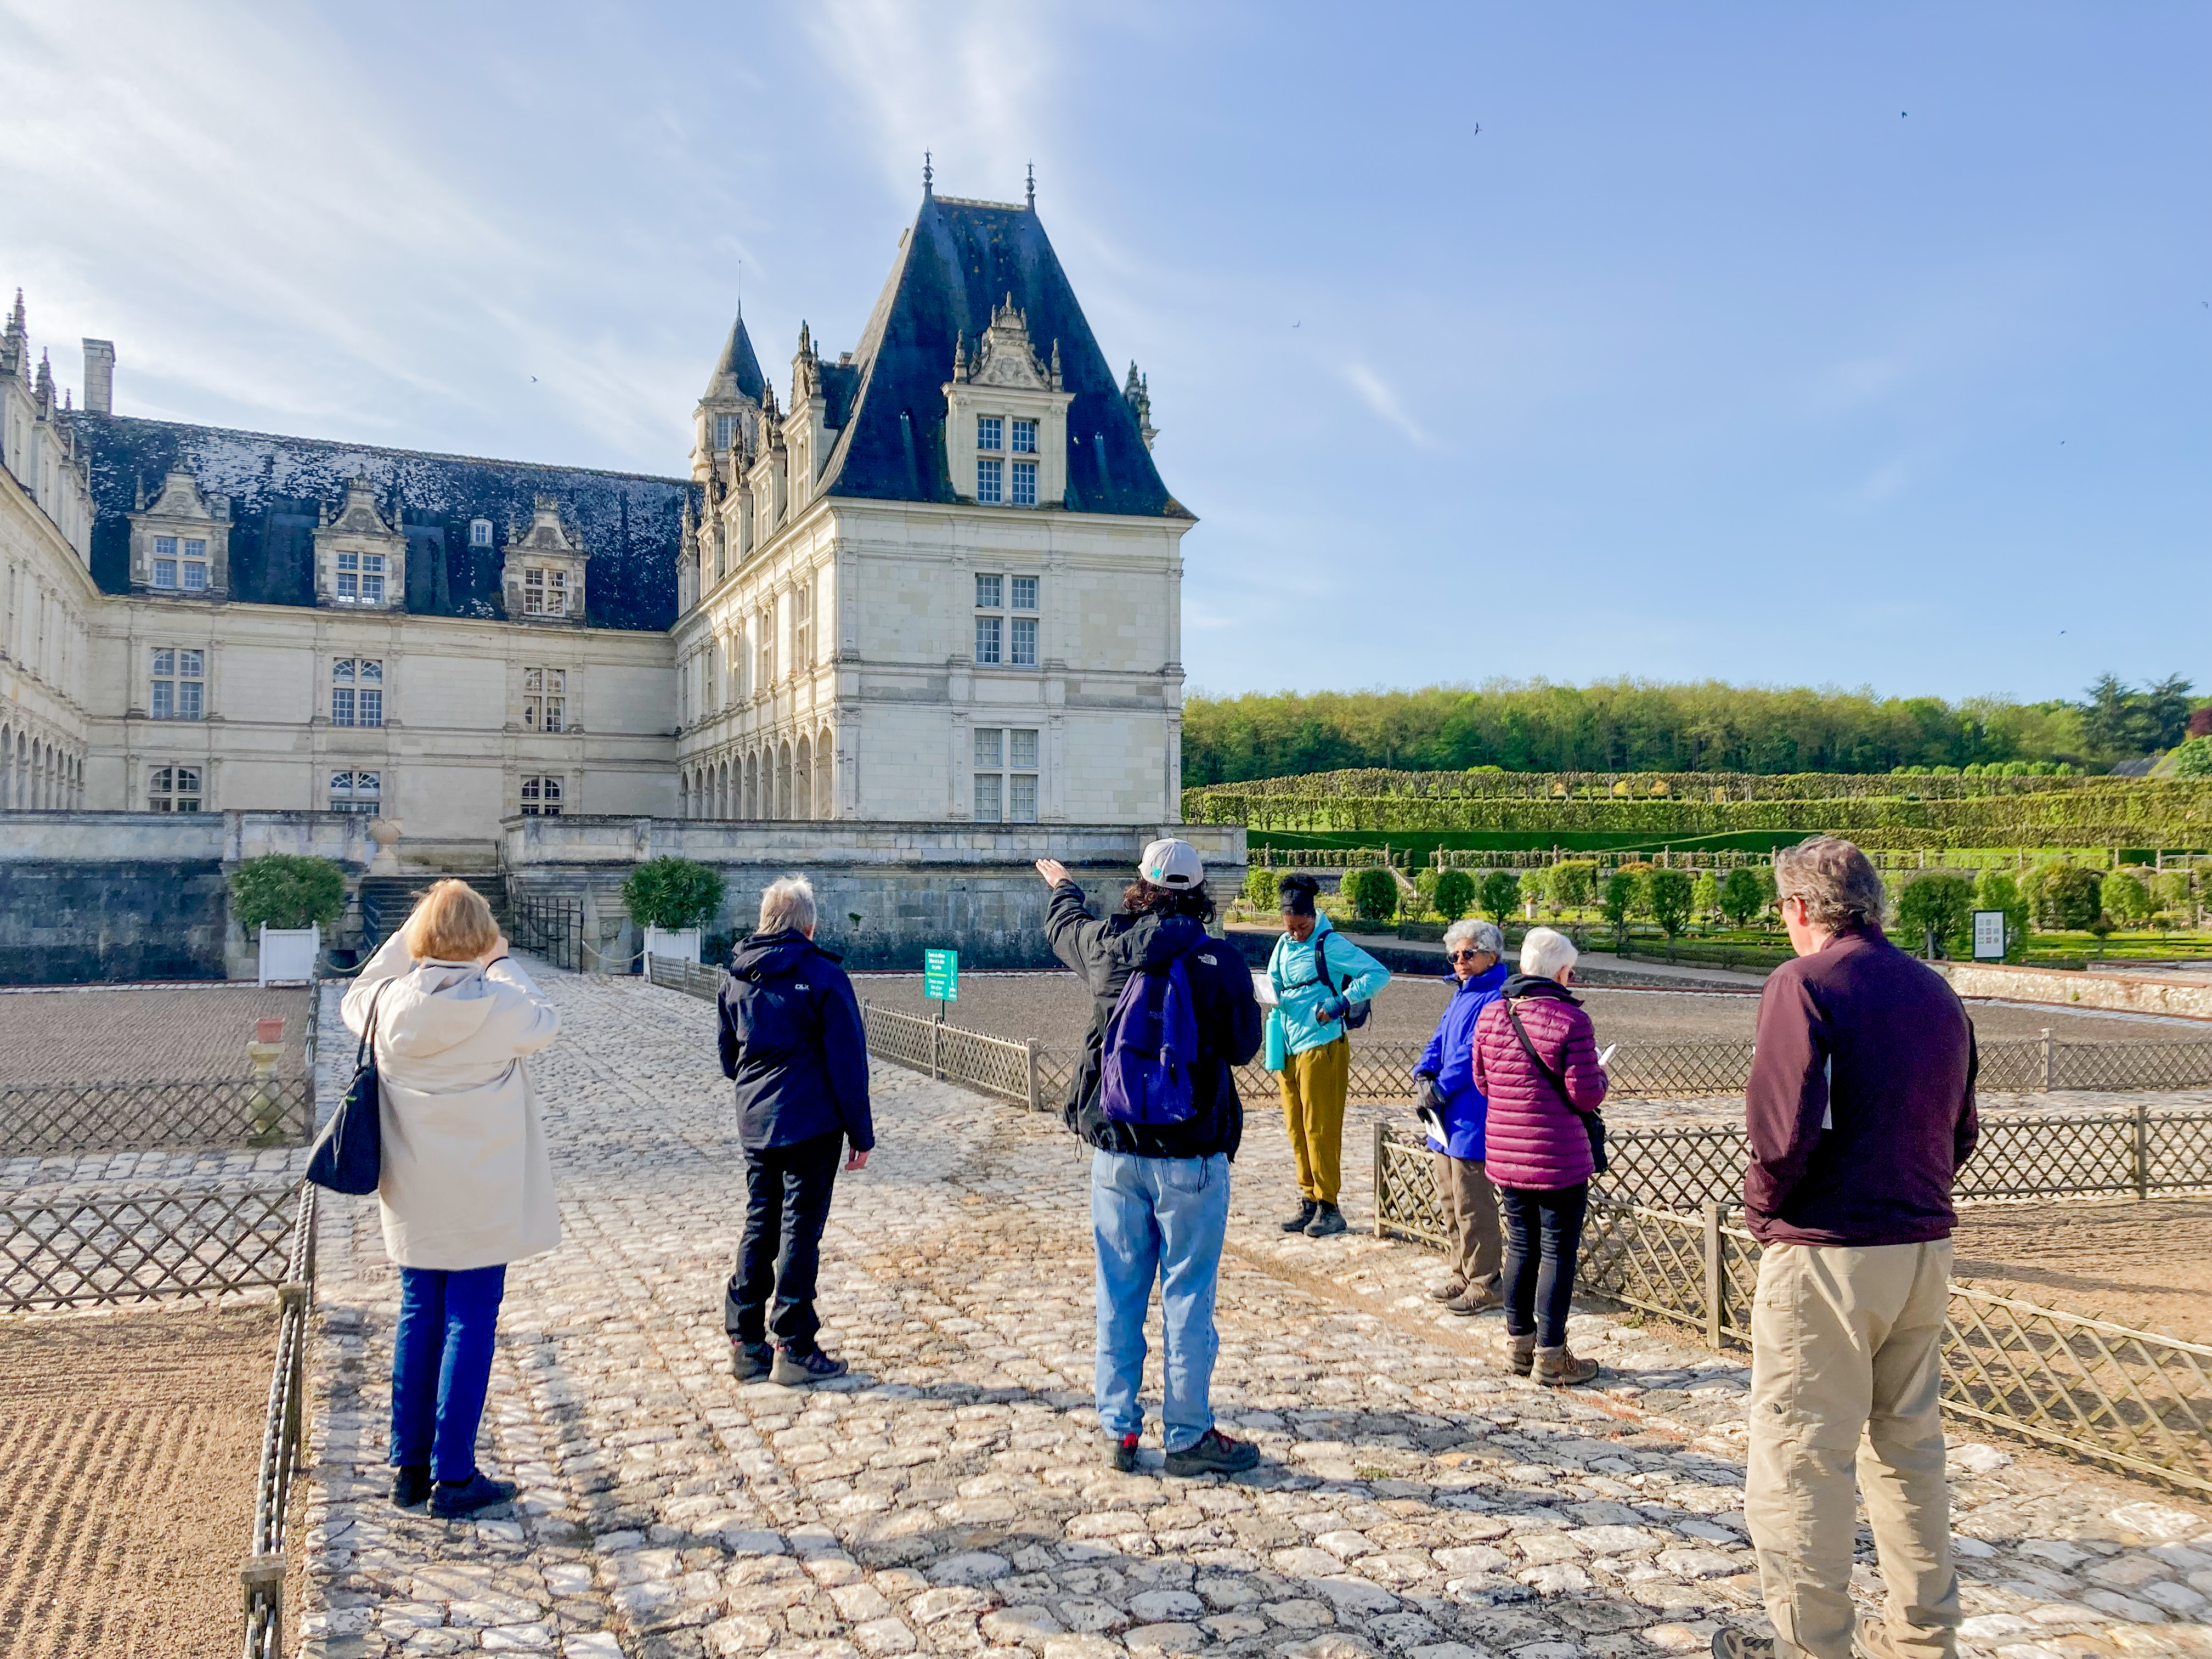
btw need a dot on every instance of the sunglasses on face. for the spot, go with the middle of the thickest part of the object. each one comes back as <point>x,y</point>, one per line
<point>1468,956</point>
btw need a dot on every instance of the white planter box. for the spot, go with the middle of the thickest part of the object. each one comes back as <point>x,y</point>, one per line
<point>681,943</point>
<point>289,953</point>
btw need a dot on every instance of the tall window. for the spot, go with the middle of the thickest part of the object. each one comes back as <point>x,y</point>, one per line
<point>179,685</point>
<point>766,625</point>
<point>173,789</point>
<point>1021,645</point>
<point>541,798</point>
<point>360,578</point>
<point>1024,492</point>
<point>802,626</point>
<point>990,480</point>
<point>544,592</point>
<point>1002,639</point>
<point>480,532</point>
<point>1005,775</point>
<point>357,791</point>
<point>164,561</point>
<point>545,699</point>
<point>990,432</point>
<point>356,692</point>
<point>988,635</point>
<point>725,431</point>
<point>1024,438</point>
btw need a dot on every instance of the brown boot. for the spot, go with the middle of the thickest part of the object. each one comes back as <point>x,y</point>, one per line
<point>1519,1354</point>
<point>1558,1368</point>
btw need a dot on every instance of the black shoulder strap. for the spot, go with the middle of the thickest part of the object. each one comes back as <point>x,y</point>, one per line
<point>1537,1060</point>
<point>1320,961</point>
<point>369,1031</point>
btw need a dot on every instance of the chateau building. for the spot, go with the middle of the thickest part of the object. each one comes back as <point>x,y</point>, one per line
<point>938,581</point>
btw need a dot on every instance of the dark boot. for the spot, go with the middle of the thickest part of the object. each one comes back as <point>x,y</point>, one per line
<point>1328,1219</point>
<point>796,1371</point>
<point>749,1361</point>
<point>411,1486</point>
<point>1298,1223</point>
<point>1558,1368</point>
<point>1215,1453</point>
<point>452,1499</point>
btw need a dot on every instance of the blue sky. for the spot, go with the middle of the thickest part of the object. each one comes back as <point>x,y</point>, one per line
<point>1854,346</point>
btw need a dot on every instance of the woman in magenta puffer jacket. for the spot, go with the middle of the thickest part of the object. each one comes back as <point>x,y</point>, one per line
<point>1537,1145</point>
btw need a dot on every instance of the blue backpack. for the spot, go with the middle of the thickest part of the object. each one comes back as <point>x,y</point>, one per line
<point>1150,1045</point>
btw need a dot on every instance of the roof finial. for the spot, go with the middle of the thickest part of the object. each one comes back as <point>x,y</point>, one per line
<point>1033,187</point>
<point>928,174</point>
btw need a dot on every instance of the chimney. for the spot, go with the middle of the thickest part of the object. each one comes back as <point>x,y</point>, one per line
<point>99,376</point>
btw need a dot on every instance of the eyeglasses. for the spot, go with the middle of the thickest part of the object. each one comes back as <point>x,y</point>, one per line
<point>1466,956</point>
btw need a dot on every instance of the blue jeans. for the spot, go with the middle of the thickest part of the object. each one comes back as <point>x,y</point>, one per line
<point>1543,1235</point>
<point>441,1366</point>
<point>1165,1218</point>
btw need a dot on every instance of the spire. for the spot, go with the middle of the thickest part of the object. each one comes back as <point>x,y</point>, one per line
<point>737,370</point>
<point>928,174</point>
<point>1033,187</point>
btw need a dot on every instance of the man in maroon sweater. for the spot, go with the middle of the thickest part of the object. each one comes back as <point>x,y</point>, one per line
<point>1860,1109</point>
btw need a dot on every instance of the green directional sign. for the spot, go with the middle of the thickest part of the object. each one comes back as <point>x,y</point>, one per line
<point>940,976</point>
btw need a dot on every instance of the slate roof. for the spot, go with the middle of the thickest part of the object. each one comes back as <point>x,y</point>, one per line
<point>631,523</point>
<point>959,260</point>
<point>739,362</point>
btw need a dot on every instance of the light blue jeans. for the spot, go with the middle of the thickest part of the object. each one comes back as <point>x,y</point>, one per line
<point>1164,1218</point>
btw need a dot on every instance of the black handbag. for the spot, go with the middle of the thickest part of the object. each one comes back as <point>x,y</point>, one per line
<point>1591,1121</point>
<point>349,1155</point>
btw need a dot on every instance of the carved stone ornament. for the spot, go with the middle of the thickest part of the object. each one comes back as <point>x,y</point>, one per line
<point>385,833</point>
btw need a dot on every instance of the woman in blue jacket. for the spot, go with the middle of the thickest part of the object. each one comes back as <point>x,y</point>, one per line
<point>1446,1076</point>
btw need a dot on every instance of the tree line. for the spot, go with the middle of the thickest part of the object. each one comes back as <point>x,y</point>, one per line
<point>1632,725</point>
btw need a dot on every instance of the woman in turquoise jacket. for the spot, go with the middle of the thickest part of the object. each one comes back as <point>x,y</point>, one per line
<point>1316,975</point>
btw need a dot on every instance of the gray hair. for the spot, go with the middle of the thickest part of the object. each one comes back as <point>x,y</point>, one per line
<point>1480,935</point>
<point>1545,951</point>
<point>788,904</point>
<point>1837,881</point>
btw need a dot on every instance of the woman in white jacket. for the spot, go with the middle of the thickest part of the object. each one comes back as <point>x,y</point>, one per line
<point>467,1182</point>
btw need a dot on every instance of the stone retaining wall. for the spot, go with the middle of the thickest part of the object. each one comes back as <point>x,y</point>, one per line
<point>2135,993</point>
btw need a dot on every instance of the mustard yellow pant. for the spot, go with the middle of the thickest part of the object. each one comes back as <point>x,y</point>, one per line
<point>1314,1085</point>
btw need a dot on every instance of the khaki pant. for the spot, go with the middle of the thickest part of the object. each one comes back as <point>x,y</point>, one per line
<point>1314,1085</point>
<point>1470,1202</point>
<point>1843,1372</point>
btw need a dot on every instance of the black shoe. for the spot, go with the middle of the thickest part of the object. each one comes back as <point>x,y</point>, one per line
<point>452,1499</point>
<point>1327,1220</point>
<point>1214,1453</point>
<point>796,1371</point>
<point>1298,1223</point>
<point>1120,1450</point>
<point>411,1486</point>
<point>749,1361</point>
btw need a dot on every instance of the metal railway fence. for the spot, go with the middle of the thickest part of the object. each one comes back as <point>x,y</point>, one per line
<point>549,927</point>
<point>2136,1401</point>
<point>284,1442</point>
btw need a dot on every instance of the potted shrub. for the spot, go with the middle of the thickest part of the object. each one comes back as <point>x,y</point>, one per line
<point>671,899</point>
<point>287,899</point>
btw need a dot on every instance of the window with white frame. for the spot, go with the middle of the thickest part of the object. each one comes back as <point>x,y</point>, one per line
<point>766,625</point>
<point>179,685</point>
<point>357,791</point>
<point>990,633</point>
<point>1024,442</point>
<point>990,432</point>
<point>1011,640</point>
<point>480,532</point>
<point>1022,489</point>
<point>180,564</point>
<point>725,431</point>
<point>544,592</point>
<point>545,699</point>
<point>1021,643</point>
<point>802,626</point>
<point>1025,593</point>
<point>990,480</point>
<point>1005,775</point>
<point>172,789</point>
<point>360,578</point>
<point>540,797</point>
<point>358,691</point>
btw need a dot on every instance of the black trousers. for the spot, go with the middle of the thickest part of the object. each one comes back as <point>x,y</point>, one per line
<point>1543,1235</point>
<point>787,1191</point>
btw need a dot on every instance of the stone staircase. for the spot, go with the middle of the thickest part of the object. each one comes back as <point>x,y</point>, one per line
<point>386,899</point>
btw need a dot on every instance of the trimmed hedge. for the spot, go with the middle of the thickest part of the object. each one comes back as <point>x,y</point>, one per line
<point>287,890</point>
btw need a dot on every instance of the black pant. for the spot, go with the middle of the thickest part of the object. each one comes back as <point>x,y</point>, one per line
<point>787,1200</point>
<point>1543,1233</point>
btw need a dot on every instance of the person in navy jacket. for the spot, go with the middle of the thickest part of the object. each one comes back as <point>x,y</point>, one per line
<point>1446,1077</point>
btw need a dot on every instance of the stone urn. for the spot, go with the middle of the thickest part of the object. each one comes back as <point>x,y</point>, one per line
<point>385,833</point>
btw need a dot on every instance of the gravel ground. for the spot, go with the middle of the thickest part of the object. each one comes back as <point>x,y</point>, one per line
<point>1054,1009</point>
<point>2146,1264</point>
<point>128,1448</point>
<point>152,1032</point>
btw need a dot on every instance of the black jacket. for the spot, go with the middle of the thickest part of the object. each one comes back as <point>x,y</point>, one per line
<point>1105,953</point>
<point>792,1039</point>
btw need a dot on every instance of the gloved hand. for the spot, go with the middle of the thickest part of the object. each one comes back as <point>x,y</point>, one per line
<point>1330,1011</point>
<point>1426,1093</point>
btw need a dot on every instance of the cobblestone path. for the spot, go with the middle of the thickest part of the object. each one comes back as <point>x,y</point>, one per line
<point>949,1496</point>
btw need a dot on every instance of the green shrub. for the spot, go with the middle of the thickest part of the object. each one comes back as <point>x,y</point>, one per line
<point>1669,893</point>
<point>1263,888</point>
<point>2065,895</point>
<point>2126,897</point>
<point>1937,901</point>
<point>1454,895</point>
<point>287,890</point>
<point>1639,890</point>
<point>1572,884</point>
<point>1997,890</point>
<point>1501,895</point>
<point>1617,903</point>
<point>2170,891</point>
<point>1705,896</point>
<point>672,893</point>
<point>1424,884</point>
<point>1374,894</point>
<point>1740,897</point>
<point>2193,759</point>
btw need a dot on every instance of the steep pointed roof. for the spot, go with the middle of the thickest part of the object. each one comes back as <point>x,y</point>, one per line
<point>960,259</point>
<point>737,369</point>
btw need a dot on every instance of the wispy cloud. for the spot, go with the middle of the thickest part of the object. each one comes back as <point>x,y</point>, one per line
<point>1381,397</point>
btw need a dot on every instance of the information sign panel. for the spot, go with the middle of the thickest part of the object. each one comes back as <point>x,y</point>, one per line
<point>1989,935</point>
<point>940,976</point>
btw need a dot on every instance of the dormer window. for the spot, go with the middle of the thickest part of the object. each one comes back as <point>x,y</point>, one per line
<point>990,431</point>
<point>544,592</point>
<point>990,480</point>
<point>1023,492</point>
<point>181,545</point>
<point>164,561</point>
<point>1025,437</point>
<point>180,564</point>
<point>480,532</point>
<point>359,578</point>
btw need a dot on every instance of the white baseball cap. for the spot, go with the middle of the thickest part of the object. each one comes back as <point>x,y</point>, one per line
<point>1172,864</point>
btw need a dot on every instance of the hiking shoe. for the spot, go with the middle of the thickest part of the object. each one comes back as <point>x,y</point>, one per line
<point>452,1499</point>
<point>1298,1223</point>
<point>750,1362</point>
<point>1213,1453</point>
<point>1558,1368</point>
<point>1872,1639</point>
<point>1120,1450</point>
<point>1450,1290</point>
<point>1737,1644</point>
<point>1478,1298</point>
<point>411,1486</point>
<point>796,1371</point>
<point>1519,1354</point>
<point>1327,1220</point>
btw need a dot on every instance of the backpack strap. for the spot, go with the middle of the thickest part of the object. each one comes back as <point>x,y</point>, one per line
<point>1536,1059</point>
<point>1321,960</point>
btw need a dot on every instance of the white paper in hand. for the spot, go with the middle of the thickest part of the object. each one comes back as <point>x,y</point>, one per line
<point>1606,1059</point>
